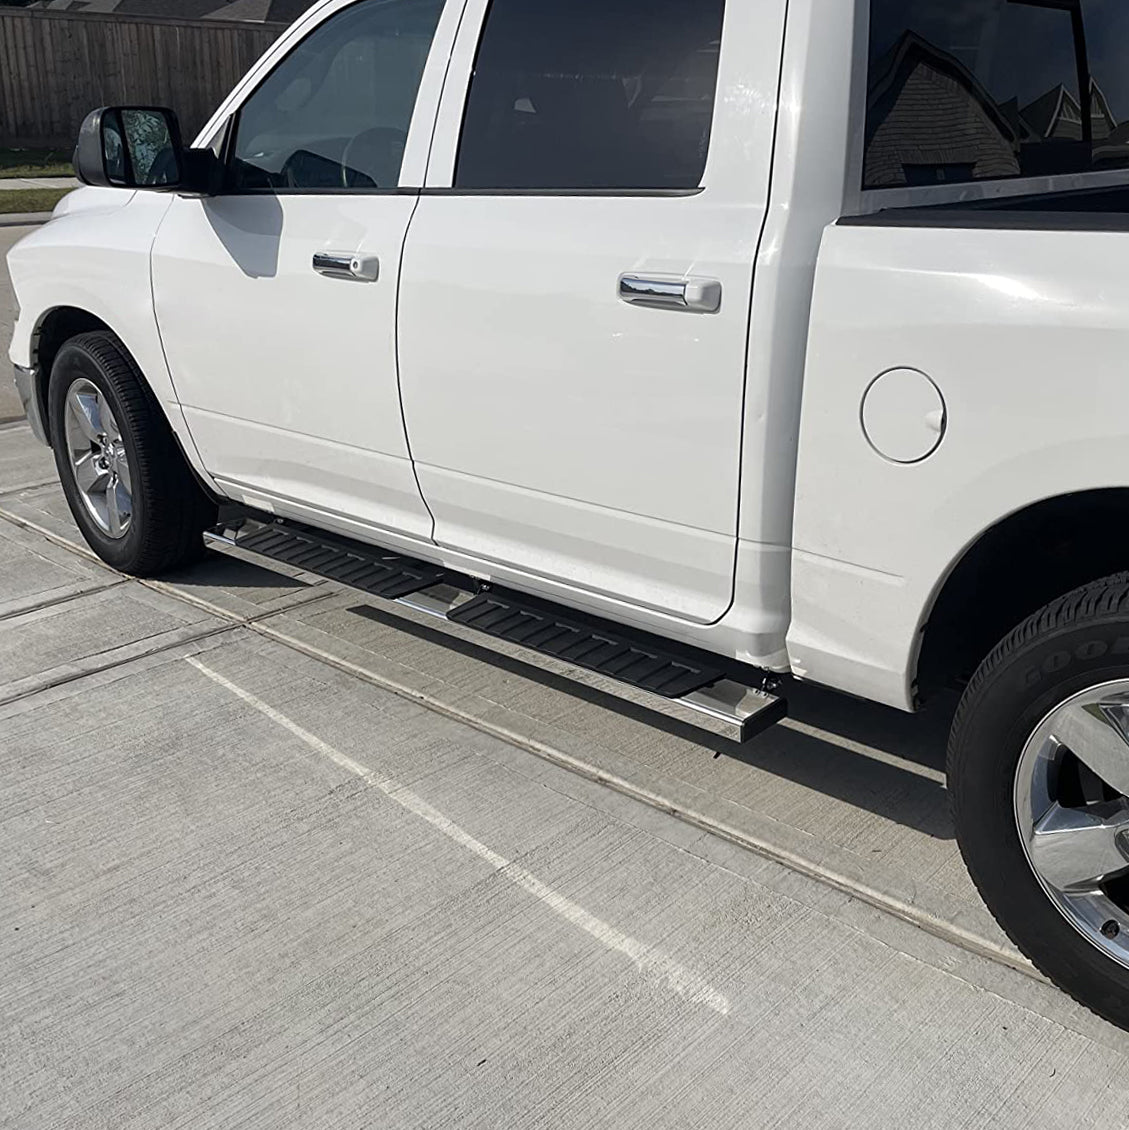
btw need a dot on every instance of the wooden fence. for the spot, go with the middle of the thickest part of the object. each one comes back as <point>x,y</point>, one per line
<point>55,67</point>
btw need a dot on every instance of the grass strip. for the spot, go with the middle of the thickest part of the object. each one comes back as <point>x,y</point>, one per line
<point>30,200</point>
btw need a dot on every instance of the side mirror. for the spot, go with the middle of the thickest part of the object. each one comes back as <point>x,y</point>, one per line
<point>133,147</point>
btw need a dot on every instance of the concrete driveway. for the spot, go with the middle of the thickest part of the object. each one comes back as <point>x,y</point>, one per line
<point>272,855</point>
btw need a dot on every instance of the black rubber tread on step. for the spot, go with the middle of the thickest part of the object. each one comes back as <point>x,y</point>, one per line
<point>602,649</point>
<point>377,572</point>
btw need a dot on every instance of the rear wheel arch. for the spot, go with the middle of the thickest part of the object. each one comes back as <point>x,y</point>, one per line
<point>1011,570</point>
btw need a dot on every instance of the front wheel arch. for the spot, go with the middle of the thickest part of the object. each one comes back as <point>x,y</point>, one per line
<point>55,329</point>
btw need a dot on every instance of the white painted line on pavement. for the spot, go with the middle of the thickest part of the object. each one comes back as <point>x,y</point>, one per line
<point>651,962</point>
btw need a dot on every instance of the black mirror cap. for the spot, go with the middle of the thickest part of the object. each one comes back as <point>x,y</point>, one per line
<point>103,155</point>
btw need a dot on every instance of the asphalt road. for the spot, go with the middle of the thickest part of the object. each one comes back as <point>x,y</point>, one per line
<point>271,856</point>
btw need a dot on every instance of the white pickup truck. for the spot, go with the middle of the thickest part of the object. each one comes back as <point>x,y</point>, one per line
<point>698,343</point>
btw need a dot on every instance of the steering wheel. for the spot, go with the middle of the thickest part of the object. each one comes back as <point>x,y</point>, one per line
<point>379,148</point>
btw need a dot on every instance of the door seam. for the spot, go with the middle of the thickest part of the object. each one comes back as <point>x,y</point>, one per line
<point>399,380</point>
<point>400,274</point>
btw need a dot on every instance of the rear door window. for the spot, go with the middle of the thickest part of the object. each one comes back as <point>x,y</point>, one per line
<point>592,94</point>
<point>973,90</point>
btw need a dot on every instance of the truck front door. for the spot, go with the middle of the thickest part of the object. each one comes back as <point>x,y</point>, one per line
<point>276,299</point>
<point>576,289</point>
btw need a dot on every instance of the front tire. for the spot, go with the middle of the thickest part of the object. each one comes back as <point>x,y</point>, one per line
<point>1038,769</point>
<point>127,484</point>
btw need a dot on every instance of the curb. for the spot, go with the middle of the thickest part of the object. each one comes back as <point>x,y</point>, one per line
<point>23,219</point>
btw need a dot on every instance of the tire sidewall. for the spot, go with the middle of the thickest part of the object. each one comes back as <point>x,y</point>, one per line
<point>996,723</point>
<point>74,363</point>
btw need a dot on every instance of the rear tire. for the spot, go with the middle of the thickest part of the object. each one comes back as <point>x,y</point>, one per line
<point>138,505</point>
<point>1040,712</point>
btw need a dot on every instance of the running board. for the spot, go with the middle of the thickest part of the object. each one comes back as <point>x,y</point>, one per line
<point>669,676</point>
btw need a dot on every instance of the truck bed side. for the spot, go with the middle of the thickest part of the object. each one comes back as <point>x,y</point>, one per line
<point>1018,313</point>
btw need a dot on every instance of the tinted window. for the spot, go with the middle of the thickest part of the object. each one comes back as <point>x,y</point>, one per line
<point>592,94</point>
<point>335,113</point>
<point>967,90</point>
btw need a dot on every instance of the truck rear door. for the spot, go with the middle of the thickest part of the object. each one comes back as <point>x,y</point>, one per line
<point>576,286</point>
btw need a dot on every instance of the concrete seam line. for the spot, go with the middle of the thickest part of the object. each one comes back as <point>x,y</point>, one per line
<point>650,961</point>
<point>20,487</point>
<point>162,587</point>
<point>54,538</point>
<point>234,618</point>
<point>75,676</point>
<point>890,904</point>
<point>216,610</point>
<point>54,601</point>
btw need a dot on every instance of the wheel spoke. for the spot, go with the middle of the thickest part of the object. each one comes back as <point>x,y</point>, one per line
<point>125,476</point>
<point>96,450</point>
<point>1095,734</point>
<point>109,424</point>
<point>84,410</point>
<point>1075,849</point>
<point>114,516</point>
<point>89,476</point>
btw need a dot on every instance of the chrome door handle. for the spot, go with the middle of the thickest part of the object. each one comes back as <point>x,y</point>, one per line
<point>703,296</point>
<point>346,265</point>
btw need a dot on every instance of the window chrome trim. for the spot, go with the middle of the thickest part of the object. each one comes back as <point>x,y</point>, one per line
<point>229,191</point>
<point>672,193</point>
<point>898,196</point>
<point>403,190</point>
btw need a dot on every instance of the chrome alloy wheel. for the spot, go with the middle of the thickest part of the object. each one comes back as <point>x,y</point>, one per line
<point>1072,807</point>
<point>98,458</point>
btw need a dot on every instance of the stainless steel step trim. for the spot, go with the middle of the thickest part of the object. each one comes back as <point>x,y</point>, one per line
<point>436,601</point>
<point>730,702</point>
